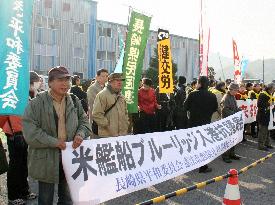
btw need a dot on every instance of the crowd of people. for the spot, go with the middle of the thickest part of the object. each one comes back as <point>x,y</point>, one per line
<point>65,112</point>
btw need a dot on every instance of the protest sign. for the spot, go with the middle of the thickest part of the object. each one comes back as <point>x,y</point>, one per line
<point>249,108</point>
<point>106,168</point>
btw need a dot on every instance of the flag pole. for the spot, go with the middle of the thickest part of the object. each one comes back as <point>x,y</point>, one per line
<point>263,69</point>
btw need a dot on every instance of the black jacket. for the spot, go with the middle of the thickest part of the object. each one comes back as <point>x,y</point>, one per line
<point>77,91</point>
<point>201,105</point>
<point>263,115</point>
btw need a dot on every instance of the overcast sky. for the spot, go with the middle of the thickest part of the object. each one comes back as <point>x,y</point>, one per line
<point>250,22</point>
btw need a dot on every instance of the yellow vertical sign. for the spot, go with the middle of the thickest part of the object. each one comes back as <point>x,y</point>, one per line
<point>166,84</point>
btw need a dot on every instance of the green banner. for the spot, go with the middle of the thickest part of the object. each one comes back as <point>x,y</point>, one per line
<point>15,33</point>
<point>138,32</point>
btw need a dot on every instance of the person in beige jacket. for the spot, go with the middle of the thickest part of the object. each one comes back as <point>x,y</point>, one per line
<point>219,91</point>
<point>115,122</point>
<point>95,88</point>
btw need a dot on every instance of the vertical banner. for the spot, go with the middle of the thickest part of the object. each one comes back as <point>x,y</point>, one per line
<point>138,32</point>
<point>15,30</point>
<point>204,40</point>
<point>237,66</point>
<point>166,84</point>
<point>244,64</point>
<point>119,62</point>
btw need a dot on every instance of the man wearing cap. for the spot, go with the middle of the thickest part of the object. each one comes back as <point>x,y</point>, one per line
<point>113,122</point>
<point>51,119</point>
<point>229,107</point>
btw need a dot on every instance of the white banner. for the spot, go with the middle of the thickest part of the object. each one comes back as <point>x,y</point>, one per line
<point>271,125</point>
<point>103,169</point>
<point>249,108</point>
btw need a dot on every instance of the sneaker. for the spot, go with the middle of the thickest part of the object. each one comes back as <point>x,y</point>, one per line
<point>263,148</point>
<point>235,157</point>
<point>30,196</point>
<point>244,140</point>
<point>269,146</point>
<point>17,202</point>
<point>226,160</point>
<point>208,169</point>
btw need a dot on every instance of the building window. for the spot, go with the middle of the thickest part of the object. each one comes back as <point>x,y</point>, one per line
<point>81,28</point>
<point>183,44</point>
<point>78,53</point>
<point>111,56</point>
<point>101,55</point>
<point>109,32</point>
<point>38,21</point>
<point>39,35</point>
<point>48,4</point>
<point>53,37</point>
<point>37,62</point>
<point>44,21</point>
<point>100,31</point>
<point>66,7</point>
<point>78,28</point>
<point>50,23</point>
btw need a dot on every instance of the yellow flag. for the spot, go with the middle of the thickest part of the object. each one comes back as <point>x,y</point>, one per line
<point>166,84</point>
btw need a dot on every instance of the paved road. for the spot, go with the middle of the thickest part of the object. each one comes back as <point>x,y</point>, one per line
<point>257,185</point>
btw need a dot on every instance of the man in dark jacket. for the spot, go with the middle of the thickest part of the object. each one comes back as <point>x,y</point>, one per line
<point>180,96</point>
<point>229,107</point>
<point>201,104</point>
<point>76,89</point>
<point>263,116</point>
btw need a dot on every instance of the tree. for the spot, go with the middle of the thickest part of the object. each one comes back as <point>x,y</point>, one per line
<point>211,73</point>
<point>152,71</point>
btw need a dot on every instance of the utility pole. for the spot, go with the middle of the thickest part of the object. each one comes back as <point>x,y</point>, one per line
<point>263,69</point>
<point>221,66</point>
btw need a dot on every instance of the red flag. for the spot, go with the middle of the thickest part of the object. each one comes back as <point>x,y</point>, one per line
<point>237,73</point>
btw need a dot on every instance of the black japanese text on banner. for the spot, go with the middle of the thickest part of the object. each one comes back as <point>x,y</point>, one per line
<point>271,125</point>
<point>249,108</point>
<point>103,169</point>
<point>166,84</point>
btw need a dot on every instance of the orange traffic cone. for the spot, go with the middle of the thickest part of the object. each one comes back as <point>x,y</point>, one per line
<point>232,192</point>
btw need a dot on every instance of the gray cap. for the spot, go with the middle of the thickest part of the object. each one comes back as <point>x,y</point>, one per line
<point>270,86</point>
<point>115,76</point>
<point>233,86</point>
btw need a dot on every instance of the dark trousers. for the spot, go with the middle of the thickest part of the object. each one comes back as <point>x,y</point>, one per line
<point>263,136</point>
<point>136,123</point>
<point>46,191</point>
<point>17,175</point>
<point>147,123</point>
<point>229,153</point>
<point>254,131</point>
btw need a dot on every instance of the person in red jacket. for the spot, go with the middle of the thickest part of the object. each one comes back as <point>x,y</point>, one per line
<point>17,176</point>
<point>147,105</point>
